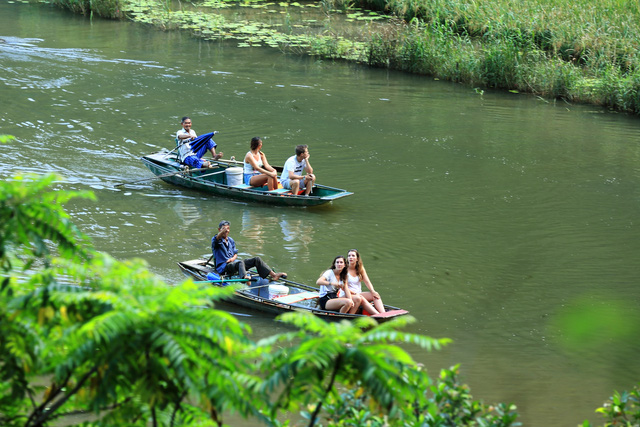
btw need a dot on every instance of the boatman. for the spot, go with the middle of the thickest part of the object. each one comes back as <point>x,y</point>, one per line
<point>185,152</point>
<point>226,257</point>
<point>293,176</point>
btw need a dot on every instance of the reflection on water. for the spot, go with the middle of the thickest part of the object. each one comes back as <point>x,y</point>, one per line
<point>295,238</point>
<point>188,214</point>
<point>298,235</point>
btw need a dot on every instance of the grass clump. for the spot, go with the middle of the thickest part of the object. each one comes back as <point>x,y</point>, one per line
<point>579,51</point>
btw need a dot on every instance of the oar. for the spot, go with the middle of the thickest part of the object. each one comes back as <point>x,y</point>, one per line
<point>162,176</point>
<point>224,280</point>
<point>213,173</point>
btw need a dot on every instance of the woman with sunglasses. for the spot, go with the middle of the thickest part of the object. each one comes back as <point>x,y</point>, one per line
<point>356,275</point>
<point>330,282</point>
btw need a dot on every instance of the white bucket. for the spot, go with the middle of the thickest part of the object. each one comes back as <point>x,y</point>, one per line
<point>276,291</point>
<point>234,176</point>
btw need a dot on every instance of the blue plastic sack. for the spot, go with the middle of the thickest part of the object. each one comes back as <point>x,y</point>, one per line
<point>213,276</point>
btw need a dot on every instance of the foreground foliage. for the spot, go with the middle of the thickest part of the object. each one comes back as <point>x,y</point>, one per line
<point>622,409</point>
<point>83,333</point>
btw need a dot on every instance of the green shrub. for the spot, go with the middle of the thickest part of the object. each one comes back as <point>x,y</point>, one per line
<point>622,409</point>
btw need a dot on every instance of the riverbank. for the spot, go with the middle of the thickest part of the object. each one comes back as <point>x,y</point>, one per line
<point>576,51</point>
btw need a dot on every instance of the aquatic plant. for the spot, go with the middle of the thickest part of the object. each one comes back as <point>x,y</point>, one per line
<point>534,46</point>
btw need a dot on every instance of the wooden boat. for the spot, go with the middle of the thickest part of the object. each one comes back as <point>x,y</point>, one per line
<point>165,165</point>
<point>300,296</point>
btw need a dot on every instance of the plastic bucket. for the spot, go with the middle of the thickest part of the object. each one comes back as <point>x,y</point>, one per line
<point>234,176</point>
<point>276,291</point>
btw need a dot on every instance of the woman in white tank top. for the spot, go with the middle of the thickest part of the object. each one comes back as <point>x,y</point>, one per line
<point>356,275</point>
<point>330,282</point>
<point>257,170</point>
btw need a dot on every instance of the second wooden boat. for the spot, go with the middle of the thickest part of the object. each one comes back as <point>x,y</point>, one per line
<point>299,296</point>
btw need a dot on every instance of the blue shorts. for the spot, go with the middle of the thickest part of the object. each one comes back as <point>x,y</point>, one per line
<point>247,177</point>
<point>287,184</point>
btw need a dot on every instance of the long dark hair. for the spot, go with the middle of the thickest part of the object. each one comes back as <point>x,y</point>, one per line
<point>343,274</point>
<point>255,142</point>
<point>359,267</point>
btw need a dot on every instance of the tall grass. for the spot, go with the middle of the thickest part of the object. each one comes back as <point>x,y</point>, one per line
<point>579,50</point>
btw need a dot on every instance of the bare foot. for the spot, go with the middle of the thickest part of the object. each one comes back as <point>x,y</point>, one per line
<point>278,276</point>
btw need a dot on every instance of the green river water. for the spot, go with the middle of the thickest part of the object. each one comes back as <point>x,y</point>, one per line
<point>505,222</point>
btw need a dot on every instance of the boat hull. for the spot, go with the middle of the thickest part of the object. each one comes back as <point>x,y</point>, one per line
<point>248,297</point>
<point>214,181</point>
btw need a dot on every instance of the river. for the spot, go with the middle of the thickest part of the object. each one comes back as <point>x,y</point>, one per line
<point>503,221</point>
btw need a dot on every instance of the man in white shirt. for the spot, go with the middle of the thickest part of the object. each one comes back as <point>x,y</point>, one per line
<point>293,173</point>
<point>187,156</point>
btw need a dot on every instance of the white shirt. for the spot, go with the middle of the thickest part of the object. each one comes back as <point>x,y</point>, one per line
<point>185,149</point>
<point>292,164</point>
<point>329,276</point>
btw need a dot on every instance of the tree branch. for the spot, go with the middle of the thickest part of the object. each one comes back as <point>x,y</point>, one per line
<point>44,415</point>
<point>177,408</point>
<point>316,412</point>
<point>38,410</point>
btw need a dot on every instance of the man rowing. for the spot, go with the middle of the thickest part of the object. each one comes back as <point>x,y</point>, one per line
<point>192,155</point>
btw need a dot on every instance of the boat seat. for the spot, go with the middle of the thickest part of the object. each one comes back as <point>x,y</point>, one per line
<point>279,191</point>
<point>300,296</point>
<point>242,186</point>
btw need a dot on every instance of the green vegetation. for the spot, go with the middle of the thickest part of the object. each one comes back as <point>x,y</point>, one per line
<point>579,51</point>
<point>622,409</point>
<point>102,8</point>
<point>84,334</point>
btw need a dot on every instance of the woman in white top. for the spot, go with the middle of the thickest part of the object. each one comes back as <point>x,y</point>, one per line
<point>257,171</point>
<point>330,282</point>
<point>356,274</point>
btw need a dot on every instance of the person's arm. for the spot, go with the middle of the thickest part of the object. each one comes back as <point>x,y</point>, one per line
<point>347,291</point>
<point>182,134</point>
<point>269,170</point>
<point>254,164</point>
<point>219,253</point>
<point>323,280</point>
<point>309,169</point>
<point>367,282</point>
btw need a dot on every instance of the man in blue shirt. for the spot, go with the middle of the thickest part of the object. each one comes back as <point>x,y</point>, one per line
<point>226,256</point>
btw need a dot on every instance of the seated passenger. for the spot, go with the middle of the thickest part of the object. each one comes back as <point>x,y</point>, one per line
<point>292,176</point>
<point>226,256</point>
<point>257,170</point>
<point>357,274</point>
<point>186,152</point>
<point>330,282</point>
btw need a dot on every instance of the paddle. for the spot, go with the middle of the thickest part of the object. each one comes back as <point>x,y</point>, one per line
<point>225,280</point>
<point>161,176</point>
